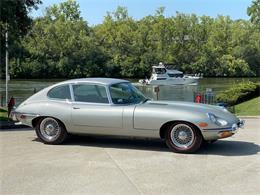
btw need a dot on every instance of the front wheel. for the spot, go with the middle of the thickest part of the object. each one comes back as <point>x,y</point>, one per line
<point>51,131</point>
<point>183,137</point>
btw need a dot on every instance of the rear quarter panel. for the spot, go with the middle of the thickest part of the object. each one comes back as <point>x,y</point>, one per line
<point>57,109</point>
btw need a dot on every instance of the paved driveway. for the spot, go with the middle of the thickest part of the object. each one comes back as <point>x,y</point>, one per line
<point>88,165</point>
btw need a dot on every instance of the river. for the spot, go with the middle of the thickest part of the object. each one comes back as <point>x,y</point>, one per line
<point>22,89</point>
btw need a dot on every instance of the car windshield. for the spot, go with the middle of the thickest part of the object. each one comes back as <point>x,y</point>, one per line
<point>126,93</point>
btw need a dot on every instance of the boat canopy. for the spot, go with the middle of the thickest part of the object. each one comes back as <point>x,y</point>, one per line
<point>161,69</point>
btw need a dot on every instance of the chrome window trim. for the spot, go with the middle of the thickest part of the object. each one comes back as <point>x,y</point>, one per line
<point>71,93</point>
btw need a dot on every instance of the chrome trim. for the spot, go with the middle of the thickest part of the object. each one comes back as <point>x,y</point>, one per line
<point>241,123</point>
<point>182,136</point>
<point>213,133</point>
<point>233,129</point>
<point>50,129</point>
<point>216,129</point>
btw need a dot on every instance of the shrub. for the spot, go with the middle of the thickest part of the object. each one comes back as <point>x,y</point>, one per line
<point>239,93</point>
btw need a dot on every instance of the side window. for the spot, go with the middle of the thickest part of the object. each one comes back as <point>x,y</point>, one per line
<point>60,92</point>
<point>90,93</point>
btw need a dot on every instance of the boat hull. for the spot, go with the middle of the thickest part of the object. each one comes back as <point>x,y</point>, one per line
<point>174,81</point>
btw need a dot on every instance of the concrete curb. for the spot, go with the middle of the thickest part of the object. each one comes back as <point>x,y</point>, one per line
<point>249,117</point>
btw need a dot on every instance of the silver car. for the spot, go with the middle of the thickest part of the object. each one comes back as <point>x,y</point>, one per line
<point>104,106</point>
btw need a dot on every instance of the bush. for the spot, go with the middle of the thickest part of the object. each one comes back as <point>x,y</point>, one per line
<point>239,93</point>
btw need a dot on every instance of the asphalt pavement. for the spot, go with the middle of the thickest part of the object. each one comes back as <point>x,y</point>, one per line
<point>90,165</point>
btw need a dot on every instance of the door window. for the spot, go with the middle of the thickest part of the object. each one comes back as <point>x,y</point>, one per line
<point>125,93</point>
<point>90,93</point>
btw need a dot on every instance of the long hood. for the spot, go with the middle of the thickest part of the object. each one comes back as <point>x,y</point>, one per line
<point>159,112</point>
<point>191,107</point>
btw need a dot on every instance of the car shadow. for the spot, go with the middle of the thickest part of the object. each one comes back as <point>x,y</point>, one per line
<point>14,129</point>
<point>230,148</point>
<point>119,142</point>
<point>221,147</point>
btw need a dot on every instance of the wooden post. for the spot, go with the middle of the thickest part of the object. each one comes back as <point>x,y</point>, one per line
<point>157,90</point>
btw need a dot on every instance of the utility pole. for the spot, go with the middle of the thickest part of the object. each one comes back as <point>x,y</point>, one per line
<point>6,66</point>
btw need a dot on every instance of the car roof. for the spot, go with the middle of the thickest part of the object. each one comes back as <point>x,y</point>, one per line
<point>103,81</point>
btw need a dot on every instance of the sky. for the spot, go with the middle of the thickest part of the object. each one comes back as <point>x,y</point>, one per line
<point>93,11</point>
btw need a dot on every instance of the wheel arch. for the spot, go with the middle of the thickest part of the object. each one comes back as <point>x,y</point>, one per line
<point>36,120</point>
<point>167,125</point>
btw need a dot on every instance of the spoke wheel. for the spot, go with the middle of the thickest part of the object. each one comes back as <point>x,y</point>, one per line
<point>51,131</point>
<point>50,128</point>
<point>183,137</point>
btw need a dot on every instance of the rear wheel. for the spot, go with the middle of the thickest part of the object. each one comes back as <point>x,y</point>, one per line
<point>51,131</point>
<point>183,137</point>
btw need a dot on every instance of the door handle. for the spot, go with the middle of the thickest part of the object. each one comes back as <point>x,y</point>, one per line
<point>76,108</point>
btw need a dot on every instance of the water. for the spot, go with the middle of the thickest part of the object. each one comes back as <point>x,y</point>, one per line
<point>22,89</point>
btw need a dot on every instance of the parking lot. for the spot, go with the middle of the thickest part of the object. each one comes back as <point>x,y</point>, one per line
<point>88,165</point>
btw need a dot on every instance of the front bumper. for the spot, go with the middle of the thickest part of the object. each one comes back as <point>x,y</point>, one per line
<point>219,133</point>
<point>24,118</point>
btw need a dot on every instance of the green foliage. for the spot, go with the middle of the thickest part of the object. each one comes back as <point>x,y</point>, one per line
<point>229,65</point>
<point>254,11</point>
<point>14,18</point>
<point>3,115</point>
<point>239,92</point>
<point>61,45</point>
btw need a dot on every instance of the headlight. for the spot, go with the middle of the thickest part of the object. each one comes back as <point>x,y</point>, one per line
<point>216,120</point>
<point>221,122</point>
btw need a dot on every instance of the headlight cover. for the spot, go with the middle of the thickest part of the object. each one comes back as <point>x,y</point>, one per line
<point>218,121</point>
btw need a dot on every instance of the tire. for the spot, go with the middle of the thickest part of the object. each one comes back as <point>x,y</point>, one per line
<point>51,131</point>
<point>182,137</point>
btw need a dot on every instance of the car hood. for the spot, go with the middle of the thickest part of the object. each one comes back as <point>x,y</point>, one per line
<point>192,107</point>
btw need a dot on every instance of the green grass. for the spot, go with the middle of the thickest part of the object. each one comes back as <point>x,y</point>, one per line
<point>249,108</point>
<point>3,115</point>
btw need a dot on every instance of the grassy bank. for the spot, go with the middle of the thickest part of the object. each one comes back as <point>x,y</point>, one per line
<point>249,108</point>
<point>3,115</point>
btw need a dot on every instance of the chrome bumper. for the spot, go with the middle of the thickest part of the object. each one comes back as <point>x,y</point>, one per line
<point>219,133</point>
<point>241,123</point>
<point>24,118</point>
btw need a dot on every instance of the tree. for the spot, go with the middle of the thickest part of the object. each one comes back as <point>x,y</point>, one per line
<point>60,45</point>
<point>61,42</point>
<point>14,18</point>
<point>254,12</point>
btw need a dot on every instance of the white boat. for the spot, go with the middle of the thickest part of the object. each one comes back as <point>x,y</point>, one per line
<point>163,76</point>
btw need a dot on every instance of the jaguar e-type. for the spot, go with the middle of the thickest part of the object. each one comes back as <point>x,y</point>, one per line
<point>104,106</point>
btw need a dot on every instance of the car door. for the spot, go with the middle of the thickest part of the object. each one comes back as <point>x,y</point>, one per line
<point>91,109</point>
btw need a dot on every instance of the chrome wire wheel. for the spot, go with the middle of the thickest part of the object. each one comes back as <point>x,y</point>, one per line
<point>50,129</point>
<point>182,136</point>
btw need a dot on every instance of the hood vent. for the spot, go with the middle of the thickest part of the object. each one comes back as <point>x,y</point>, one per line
<point>159,104</point>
